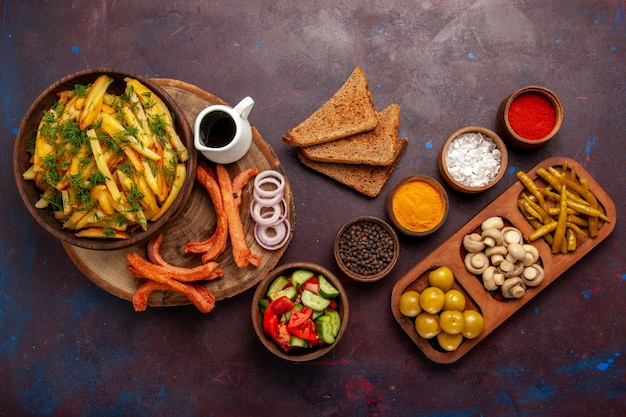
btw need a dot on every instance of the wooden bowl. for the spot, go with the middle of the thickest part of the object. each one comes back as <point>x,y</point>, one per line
<point>28,128</point>
<point>405,229</point>
<point>388,264</point>
<point>513,138</point>
<point>298,355</point>
<point>467,188</point>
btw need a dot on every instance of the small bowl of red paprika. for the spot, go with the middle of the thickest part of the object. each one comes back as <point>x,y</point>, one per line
<point>530,117</point>
<point>300,311</point>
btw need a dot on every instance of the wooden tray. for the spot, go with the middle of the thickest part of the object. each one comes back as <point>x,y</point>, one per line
<point>495,311</point>
<point>196,221</point>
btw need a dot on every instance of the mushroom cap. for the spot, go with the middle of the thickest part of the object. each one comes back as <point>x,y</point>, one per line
<point>494,222</point>
<point>513,287</point>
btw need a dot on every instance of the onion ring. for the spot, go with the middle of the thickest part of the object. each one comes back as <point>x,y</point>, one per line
<point>267,202</point>
<point>281,237</point>
<point>269,176</point>
<point>268,218</point>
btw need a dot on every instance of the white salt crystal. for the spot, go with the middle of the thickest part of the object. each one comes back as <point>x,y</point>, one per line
<point>473,159</point>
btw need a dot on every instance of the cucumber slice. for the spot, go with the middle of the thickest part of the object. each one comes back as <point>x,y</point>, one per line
<point>327,290</point>
<point>263,303</point>
<point>295,341</point>
<point>300,276</point>
<point>335,322</point>
<point>314,301</point>
<point>277,285</point>
<point>290,292</point>
<point>324,329</point>
<point>316,315</point>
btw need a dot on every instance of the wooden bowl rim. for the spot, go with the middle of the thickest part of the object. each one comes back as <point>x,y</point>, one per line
<point>504,160</point>
<point>379,275</point>
<point>392,216</point>
<point>257,318</point>
<point>42,103</point>
<point>556,103</point>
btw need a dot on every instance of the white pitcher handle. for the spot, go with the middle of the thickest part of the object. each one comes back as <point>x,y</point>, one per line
<point>244,107</point>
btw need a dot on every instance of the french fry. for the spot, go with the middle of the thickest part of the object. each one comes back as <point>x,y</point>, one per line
<point>155,107</point>
<point>142,118</point>
<point>102,233</point>
<point>93,101</point>
<point>115,129</point>
<point>96,149</point>
<point>150,178</point>
<point>131,119</point>
<point>177,185</point>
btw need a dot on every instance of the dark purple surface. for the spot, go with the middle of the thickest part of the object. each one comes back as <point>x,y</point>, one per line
<point>69,348</point>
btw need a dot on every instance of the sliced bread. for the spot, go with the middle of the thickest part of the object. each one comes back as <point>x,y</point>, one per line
<point>349,111</point>
<point>375,147</point>
<point>366,179</point>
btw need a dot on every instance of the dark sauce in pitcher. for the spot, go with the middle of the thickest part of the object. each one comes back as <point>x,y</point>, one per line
<point>217,129</point>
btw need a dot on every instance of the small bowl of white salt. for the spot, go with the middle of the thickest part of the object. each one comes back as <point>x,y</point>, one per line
<point>473,159</point>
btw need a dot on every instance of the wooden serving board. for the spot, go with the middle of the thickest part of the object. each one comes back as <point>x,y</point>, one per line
<point>450,254</point>
<point>196,222</point>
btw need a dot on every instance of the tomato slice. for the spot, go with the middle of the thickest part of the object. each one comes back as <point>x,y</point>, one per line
<point>301,325</point>
<point>281,305</point>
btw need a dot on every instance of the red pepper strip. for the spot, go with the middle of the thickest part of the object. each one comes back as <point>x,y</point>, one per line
<point>272,325</point>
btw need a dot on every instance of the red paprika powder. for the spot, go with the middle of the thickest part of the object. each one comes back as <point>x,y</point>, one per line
<point>532,115</point>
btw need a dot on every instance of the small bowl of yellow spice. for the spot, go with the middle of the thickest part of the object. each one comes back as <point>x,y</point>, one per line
<point>417,205</point>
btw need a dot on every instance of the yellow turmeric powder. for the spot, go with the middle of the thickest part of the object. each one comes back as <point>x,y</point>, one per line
<point>418,206</point>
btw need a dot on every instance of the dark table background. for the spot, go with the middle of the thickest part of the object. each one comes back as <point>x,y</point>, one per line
<point>69,348</point>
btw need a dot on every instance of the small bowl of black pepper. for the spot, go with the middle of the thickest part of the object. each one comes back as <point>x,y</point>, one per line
<point>366,248</point>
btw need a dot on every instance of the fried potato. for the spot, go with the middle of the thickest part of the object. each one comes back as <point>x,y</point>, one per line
<point>107,160</point>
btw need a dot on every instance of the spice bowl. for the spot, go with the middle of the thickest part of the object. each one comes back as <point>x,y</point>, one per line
<point>288,272</point>
<point>530,117</point>
<point>366,248</point>
<point>417,205</point>
<point>473,159</point>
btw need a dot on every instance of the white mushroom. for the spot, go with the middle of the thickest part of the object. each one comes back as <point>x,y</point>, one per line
<point>492,223</point>
<point>496,250</point>
<point>510,269</point>
<point>473,242</point>
<point>513,288</point>
<point>516,251</point>
<point>498,278</point>
<point>511,235</point>
<point>476,262</point>
<point>496,259</point>
<point>488,278</point>
<point>532,254</point>
<point>492,237</point>
<point>533,275</point>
